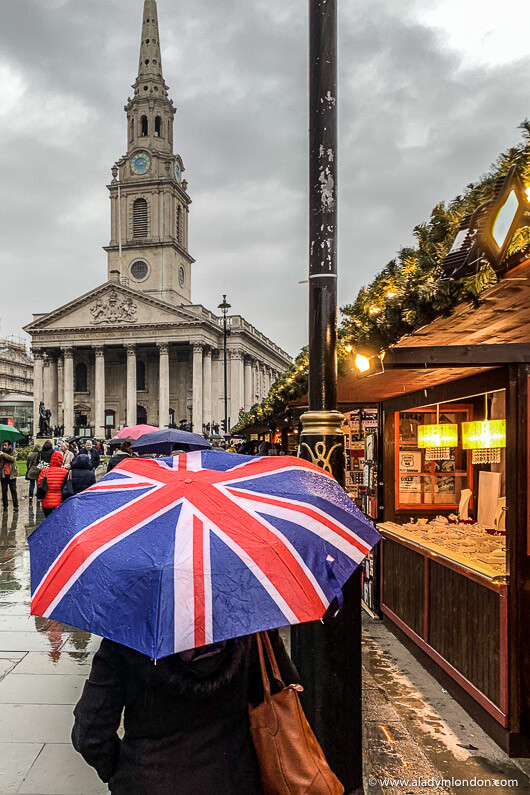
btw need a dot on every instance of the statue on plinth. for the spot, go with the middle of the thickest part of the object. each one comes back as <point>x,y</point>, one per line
<point>44,420</point>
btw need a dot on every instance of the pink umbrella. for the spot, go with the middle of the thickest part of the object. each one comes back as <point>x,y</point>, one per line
<point>135,431</point>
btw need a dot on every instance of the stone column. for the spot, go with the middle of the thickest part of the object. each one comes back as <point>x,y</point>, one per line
<point>38,389</point>
<point>217,385</point>
<point>46,380</point>
<point>132,400</point>
<point>236,396</point>
<point>207,387</point>
<point>163,385</point>
<point>248,383</point>
<point>255,383</point>
<point>197,387</point>
<point>99,402</point>
<point>68,393</point>
<point>53,391</point>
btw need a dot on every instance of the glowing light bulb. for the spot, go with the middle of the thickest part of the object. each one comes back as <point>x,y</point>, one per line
<point>362,363</point>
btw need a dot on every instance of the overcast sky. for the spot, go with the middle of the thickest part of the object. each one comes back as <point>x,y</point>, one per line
<point>430,92</point>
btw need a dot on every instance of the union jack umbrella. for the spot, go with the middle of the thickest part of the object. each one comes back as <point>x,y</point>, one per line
<point>171,554</point>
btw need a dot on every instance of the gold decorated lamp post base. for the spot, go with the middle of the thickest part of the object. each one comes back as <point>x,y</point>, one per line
<point>322,441</point>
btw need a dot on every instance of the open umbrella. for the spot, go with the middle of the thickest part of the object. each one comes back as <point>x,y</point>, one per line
<point>172,554</point>
<point>9,434</point>
<point>135,431</point>
<point>163,442</point>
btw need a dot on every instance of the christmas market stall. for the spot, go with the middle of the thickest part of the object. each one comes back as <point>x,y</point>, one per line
<point>454,564</point>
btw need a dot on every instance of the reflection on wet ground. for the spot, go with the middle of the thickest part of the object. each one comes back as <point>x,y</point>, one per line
<point>43,666</point>
<point>413,728</point>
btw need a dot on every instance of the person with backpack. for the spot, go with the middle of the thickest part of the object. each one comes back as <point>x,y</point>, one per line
<point>50,483</point>
<point>33,471</point>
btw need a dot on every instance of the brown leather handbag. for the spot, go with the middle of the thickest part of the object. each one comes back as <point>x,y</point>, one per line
<point>290,759</point>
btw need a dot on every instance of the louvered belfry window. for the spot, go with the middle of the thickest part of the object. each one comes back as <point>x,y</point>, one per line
<point>140,218</point>
<point>179,224</point>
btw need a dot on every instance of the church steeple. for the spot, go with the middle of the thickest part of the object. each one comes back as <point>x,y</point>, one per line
<point>149,198</point>
<point>150,59</point>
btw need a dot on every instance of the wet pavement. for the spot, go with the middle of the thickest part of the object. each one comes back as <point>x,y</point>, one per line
<point>414,731</point>
<point>43,666</point>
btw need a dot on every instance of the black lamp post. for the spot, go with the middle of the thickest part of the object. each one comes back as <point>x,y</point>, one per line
<point>327,655</point>
<point>224,307</point>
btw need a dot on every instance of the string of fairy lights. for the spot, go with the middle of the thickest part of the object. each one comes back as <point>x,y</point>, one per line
<point>408,293</point>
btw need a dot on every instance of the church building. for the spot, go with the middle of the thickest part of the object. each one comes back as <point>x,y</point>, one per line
<point>136,349</point>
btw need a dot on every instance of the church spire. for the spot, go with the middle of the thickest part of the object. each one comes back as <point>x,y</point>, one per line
<point>150,60</point>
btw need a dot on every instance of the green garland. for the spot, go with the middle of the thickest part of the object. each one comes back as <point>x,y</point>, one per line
<point>407,294</point>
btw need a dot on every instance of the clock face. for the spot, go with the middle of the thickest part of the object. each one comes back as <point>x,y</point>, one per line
<point>181,276</point>
<point>141,163</point>
<point>177,171</point>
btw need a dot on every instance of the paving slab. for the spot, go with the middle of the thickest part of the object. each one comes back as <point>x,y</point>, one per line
<point>59,770</point>
<point>69,662</point>
<point>6,665</point>
<point>27,641</point>
<point>35,723</point>
<point>43,689</point>
<point>81,641</point>
<point>16,761</point>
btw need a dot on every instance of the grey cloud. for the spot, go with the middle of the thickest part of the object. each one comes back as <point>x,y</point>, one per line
<point>415,127</point>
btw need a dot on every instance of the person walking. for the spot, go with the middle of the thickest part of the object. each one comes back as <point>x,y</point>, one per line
<point>55,476</point>
<point>125,451</point>
<point>45,455</point>
<point>68,455</point>
<point>186,718</point>
<point>92,454</point>
<point>8,474</point>
<point>81,474</point>
<point>32,470</point>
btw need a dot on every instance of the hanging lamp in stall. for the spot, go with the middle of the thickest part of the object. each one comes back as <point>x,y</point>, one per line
<point>438,439</point>
<point>485,438</point>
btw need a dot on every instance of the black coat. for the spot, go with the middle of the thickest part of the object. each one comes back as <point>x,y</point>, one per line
<point>82,475</point>
<point>186,724</point>
<point>117,458</point>
<point>93,456</point>
<point>46,452</point>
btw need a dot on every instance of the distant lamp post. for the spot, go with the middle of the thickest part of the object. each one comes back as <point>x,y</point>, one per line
<point>487,233</point>
<point>224,307</point>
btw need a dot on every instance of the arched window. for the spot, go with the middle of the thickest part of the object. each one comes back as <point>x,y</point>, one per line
<point>81,377</point>
<point>140,377</point>
<point>179,224</point>
<point>158,127</point>
<point>140,218</point>
<point>141,415</point>
<point>144,126</point>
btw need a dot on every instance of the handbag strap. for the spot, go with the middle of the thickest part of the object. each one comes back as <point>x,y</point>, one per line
<point>265,646</point>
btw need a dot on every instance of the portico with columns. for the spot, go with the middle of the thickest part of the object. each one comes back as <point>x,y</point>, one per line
<point>136,348</point>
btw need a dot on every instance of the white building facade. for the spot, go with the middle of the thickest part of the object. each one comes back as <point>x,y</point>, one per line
<point>136,349</point>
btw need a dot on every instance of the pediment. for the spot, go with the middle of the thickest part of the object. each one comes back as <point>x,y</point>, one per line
<point>112,305</point>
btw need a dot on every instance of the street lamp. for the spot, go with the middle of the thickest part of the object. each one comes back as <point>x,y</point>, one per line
<point>224,307</point>
<point>328,655</point>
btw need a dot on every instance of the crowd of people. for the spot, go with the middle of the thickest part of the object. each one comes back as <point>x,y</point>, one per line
<point>56,473</point>
<point>53,473</point>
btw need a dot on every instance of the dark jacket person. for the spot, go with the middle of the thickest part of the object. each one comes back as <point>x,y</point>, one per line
<point>186,719</point>
<point>46,453</point>
<point>122,454</point>
<point>81,473</point>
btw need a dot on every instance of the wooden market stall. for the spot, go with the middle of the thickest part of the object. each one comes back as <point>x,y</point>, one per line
<point>459,593</point>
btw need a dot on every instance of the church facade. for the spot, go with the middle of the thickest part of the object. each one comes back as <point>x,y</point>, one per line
<point>136,349</point>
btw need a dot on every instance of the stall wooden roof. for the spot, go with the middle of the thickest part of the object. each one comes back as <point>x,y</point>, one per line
<point>472,339</point>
